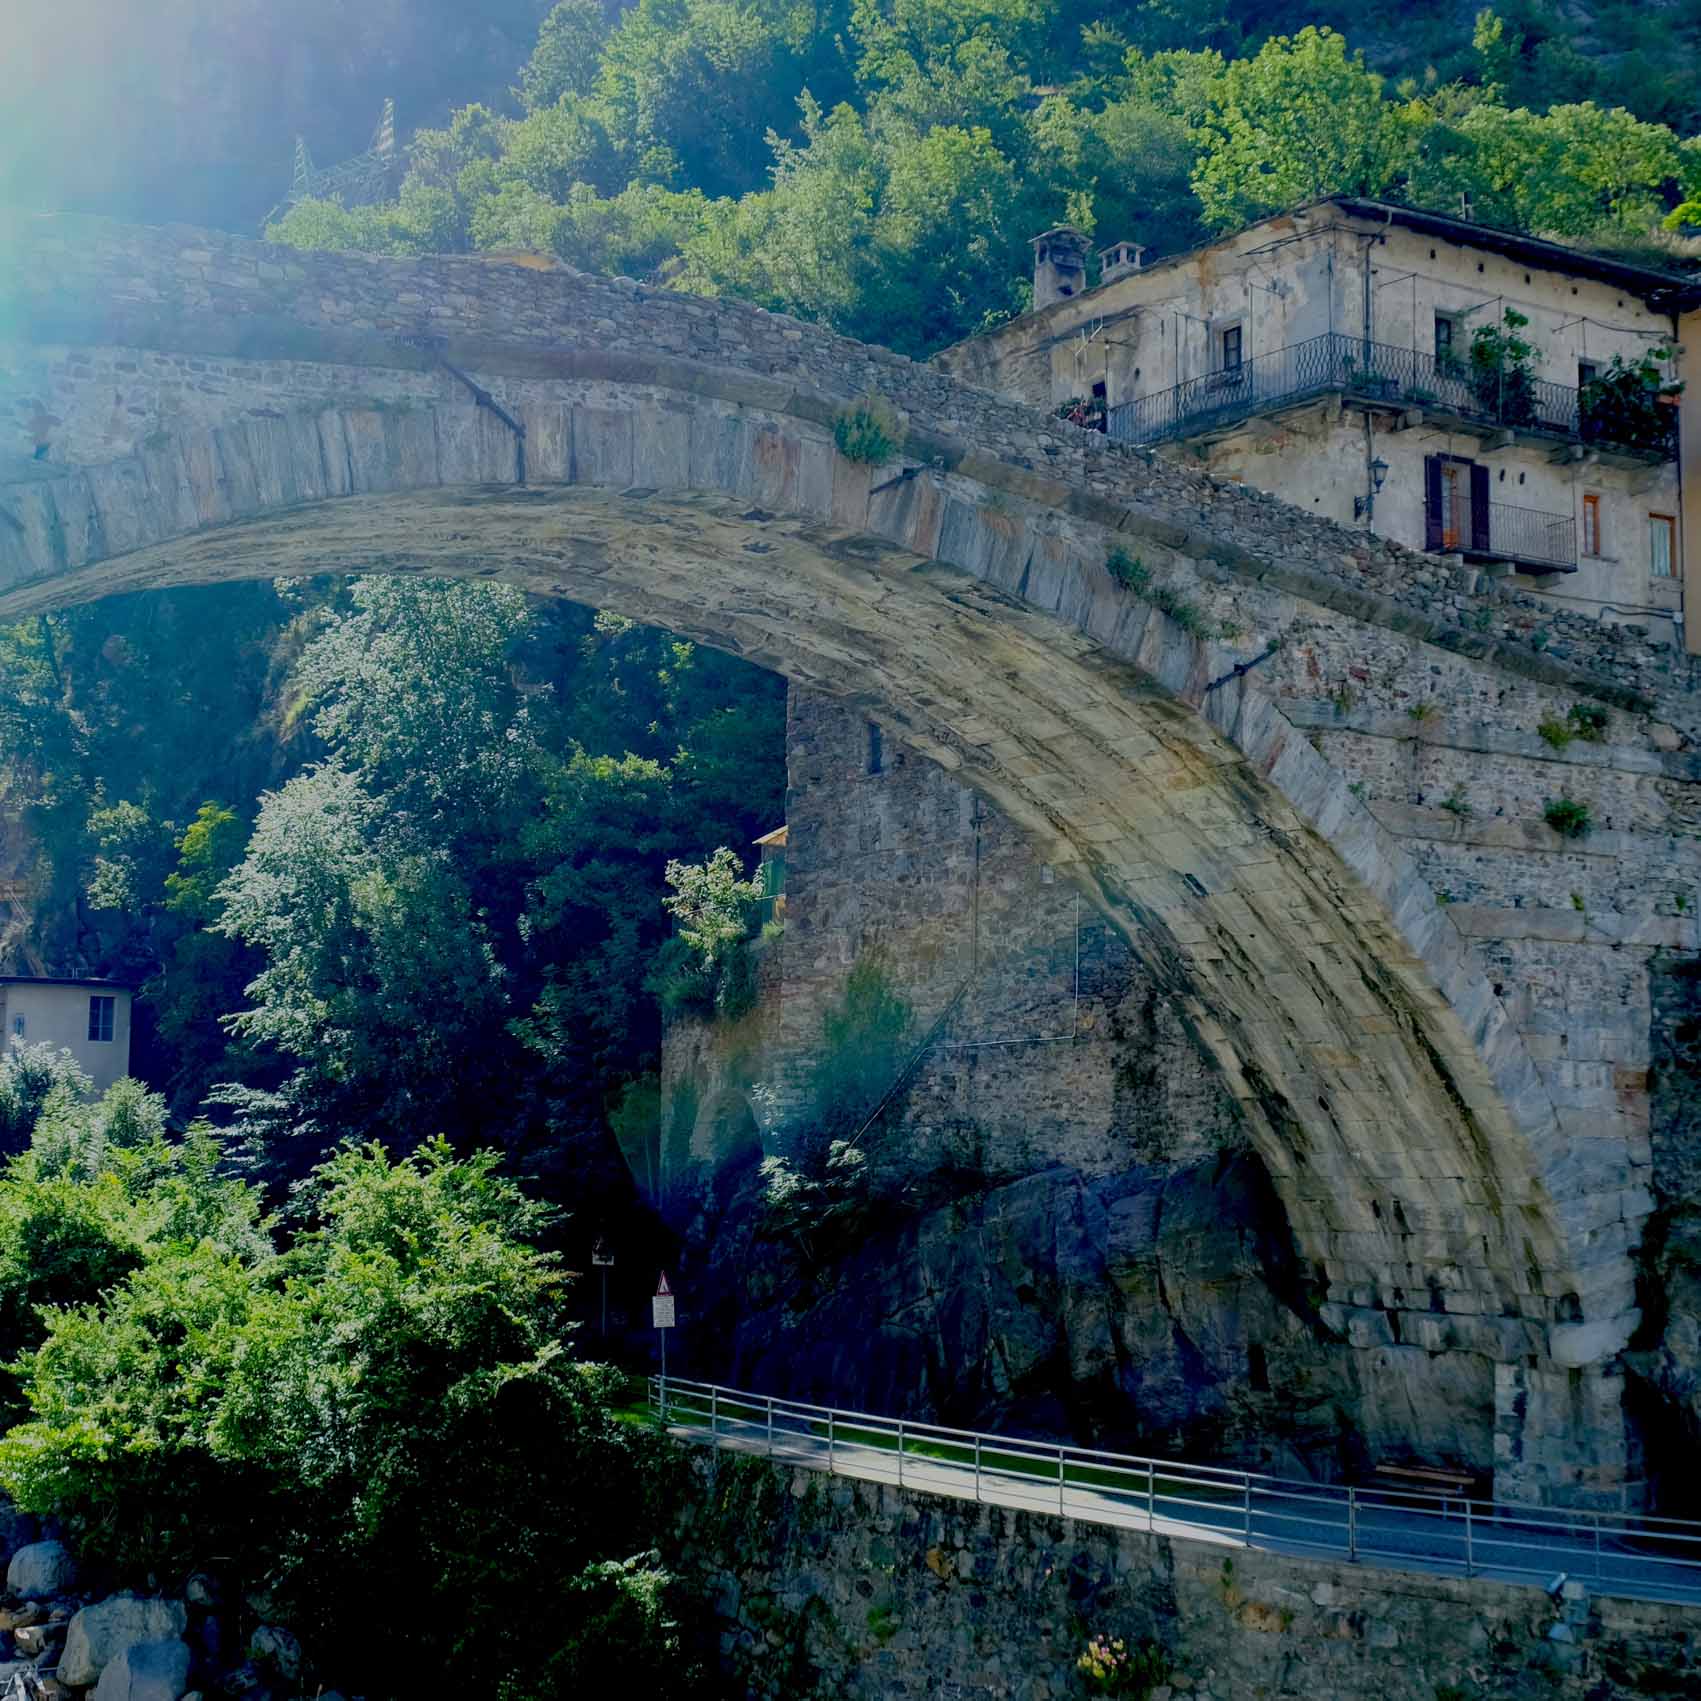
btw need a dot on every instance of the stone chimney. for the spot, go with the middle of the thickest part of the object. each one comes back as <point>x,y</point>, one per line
<point>1119,259</point>
<point>1060,264</point>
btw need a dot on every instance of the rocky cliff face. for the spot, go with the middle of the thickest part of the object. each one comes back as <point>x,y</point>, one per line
<point>1137,1310</point>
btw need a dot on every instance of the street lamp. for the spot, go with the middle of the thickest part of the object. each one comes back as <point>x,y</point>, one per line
<point>1364,507</point>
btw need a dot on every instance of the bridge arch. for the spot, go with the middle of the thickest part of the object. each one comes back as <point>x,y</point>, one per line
<point>962,600</point>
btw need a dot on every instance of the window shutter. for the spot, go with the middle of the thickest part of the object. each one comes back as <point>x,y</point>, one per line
<point>1432,503</point>
<point>1479,508</point>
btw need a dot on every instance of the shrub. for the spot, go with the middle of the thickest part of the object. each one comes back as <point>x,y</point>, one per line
<point>1630,402</point>
<point>1567,816</point>
<point>867,431</point>
<point>380,1419</point>
<point>1129,571</point>
<point>1134,575</point>
<point>1588,721</point>
<point>1555,732</point>
<point>1503,369</point>
<point>708,967</point>
<point>1455,803</point>
<point>29,1076</point>
<point>1424,711</point>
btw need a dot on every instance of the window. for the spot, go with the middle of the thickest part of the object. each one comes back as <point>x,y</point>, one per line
<point>1662,545</point>
<point>876,750</point>
<point>1231,349</point>
<point>1257,1368</point>
<point>1591,523</point>
<point>18,1027</point>
<point>1587,372</point>
<point>100,1018</point>
<point>1445,327</point>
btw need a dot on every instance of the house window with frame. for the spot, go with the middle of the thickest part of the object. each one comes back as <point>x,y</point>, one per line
<point>1446,340</point>
<point>876,754</point>
<point>1587,372</point>
<point>20,1027</point>
<point>1591,523</point>
<point>1229,347</point>
<point>1662,545</point>
<point>100,1018</point>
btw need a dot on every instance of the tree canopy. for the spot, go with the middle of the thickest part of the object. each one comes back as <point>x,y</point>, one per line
<point>880,167</point>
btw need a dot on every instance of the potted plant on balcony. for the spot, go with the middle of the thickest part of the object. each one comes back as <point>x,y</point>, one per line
<point>1630,402</point>
<point>1503,376</point>
<point>1088,412</point>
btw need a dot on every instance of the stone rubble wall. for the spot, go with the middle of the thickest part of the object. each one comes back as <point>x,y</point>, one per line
<point>827,1587</point>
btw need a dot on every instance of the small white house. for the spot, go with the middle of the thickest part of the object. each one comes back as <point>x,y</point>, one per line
<point>88,1018</point>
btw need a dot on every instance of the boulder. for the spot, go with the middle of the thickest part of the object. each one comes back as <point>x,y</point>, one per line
<point>41,1570</point>
<point>146,1671</point>
<point>275,1649</point>
<point>99,1633</point>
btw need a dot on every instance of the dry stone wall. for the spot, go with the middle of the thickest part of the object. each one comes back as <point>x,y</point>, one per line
<point>824,1586</point>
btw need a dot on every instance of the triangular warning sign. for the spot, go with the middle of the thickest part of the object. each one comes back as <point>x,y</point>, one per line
<point>662,1287</point>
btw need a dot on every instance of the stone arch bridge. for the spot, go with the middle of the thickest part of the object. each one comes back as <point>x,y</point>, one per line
<point>1240,759</point>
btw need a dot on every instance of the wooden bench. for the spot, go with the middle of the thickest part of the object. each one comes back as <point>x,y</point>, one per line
<point>1453,1485</point>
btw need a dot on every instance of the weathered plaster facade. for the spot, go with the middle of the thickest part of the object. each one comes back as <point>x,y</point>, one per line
<point>1281,289</point>
<point>182,407</point>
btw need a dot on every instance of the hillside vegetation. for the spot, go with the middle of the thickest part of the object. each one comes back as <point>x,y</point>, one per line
<point>879,165</point>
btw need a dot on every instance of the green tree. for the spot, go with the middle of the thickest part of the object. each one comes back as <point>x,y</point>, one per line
<point>564,62</point>
<point>1301,118</point>
<point>305,1413</point>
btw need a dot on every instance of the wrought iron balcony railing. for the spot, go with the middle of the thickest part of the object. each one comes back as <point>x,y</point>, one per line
<point>1498,531</point>
<point>1337,363</point>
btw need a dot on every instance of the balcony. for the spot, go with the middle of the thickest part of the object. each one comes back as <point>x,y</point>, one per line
<point>1531,540</point>
<point>1380,375</point>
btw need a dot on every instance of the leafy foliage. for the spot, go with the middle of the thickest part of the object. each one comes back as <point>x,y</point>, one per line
<point>299,1401</point>
<point>879,165</point>
<point>867,432</point>
<point>1568,816</point>
<point>1503,368</point>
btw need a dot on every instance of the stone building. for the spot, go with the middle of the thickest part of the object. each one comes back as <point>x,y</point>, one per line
<point>88,1018</point>
<point>1333,357</point>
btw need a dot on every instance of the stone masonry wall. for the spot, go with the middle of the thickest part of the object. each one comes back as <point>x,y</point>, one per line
<point>827,1587</point>
<point>1059,1049</point>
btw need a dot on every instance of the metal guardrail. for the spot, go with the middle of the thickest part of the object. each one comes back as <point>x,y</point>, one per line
<point>1510,533</point>
<point>1643,1557</point>
<point>1337,363</point>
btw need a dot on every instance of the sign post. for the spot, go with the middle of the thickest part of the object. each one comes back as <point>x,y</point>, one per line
<point>603,1259</point>
<point>661,1315</point>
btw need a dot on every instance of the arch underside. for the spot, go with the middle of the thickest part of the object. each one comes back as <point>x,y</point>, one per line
<point>1408,1187</point>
